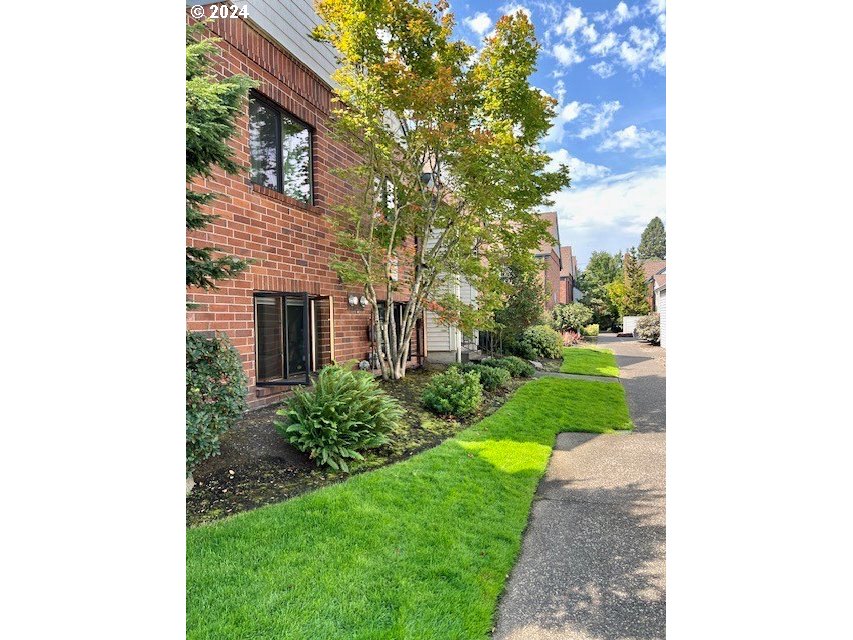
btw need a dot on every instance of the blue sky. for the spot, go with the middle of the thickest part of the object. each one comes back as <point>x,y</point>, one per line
<point>605,62</point>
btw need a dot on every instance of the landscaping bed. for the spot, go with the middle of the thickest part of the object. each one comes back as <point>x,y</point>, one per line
<point>419,549</point>
<point>258,467</point>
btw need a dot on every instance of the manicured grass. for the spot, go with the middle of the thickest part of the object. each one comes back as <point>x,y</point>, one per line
<point>589,361</point>
<point>419,549</point>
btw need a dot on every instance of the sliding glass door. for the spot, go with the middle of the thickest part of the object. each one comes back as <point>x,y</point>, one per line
<point>282,339</point>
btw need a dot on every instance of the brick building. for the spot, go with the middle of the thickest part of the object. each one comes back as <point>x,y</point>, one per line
<point>549,253</point>
<point>568,276</point>
<point>288,314</point>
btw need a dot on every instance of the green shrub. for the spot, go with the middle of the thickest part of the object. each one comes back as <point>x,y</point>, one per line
<point>570,317</point>
<point>490,377</point>
<point>342,412</point>
<point>517,367</point>
<point>216,394</point>
<point>648,328</point>
<point>454,393</point>
<point>540,341</point>
<point>590,330</point>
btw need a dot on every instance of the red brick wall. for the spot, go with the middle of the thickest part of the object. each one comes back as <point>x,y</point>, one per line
<point>566,292</point>
<point>292,243</point>
<point>552,279</point>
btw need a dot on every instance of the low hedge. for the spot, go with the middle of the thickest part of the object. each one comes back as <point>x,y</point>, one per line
<point>589,330</point>
<point>490,377</point>
<point>517,367</point>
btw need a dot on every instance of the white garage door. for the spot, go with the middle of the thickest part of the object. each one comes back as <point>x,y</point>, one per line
<point>662,311</point>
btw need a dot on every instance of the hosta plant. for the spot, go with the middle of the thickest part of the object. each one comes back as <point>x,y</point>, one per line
<point>342,413</point>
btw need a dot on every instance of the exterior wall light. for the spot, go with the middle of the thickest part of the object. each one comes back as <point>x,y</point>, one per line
<point>363,302</point>
<point>353,300</point>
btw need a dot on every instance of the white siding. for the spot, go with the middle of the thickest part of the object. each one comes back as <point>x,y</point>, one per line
<point>290,23</point>
<point>661,304</point>
<point>629,323</point>
<point>440,337</point>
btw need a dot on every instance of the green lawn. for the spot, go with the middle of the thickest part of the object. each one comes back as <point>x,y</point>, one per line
<point>419,549</point>
<point>589,361</point>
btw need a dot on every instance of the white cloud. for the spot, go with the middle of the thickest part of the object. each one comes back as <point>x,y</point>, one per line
<point>622,13</point>
<point>626,201</point>
<point>643,142</point>
<point>656,6</point>
<point>601,119</point>
<point>590,33</point>
<point>566,112</point>
<point>567,56</point>
<point>641,49</point>
<point>602,69</point>
<point>571,22</point>
<point>509,9</point>
<point>605,45</point>
<point>479,23</point>
<point>578,169</point>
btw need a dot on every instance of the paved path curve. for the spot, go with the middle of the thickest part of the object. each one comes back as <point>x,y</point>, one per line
<point>592,560</point>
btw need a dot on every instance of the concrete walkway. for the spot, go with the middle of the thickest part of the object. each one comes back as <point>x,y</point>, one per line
<point>592,560</point>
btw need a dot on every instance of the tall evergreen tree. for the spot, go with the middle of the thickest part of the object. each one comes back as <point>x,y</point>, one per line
<point>653,241</point>
<point>602,269</point>
<point>628,294</point>
<point>212,108</point>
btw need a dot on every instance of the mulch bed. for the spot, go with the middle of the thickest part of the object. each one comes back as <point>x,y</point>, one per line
<point>257,467</point>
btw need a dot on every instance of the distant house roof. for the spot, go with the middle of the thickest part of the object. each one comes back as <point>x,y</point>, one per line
<point>568,262</point>
<point>545,247</point>
<point>653,267</point>
<point>660,280</point>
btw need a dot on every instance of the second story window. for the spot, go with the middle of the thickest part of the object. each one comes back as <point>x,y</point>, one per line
<point>280,146</point>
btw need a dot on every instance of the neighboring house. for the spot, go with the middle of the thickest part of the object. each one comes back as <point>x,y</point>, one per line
<point>549,253</point>
<point>660,304</point>
<point>447,343</point>
<point>652,268</point>
<point>288,314</point>
<point>569,291</point>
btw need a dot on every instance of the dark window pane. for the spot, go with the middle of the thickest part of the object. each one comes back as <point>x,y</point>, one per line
<point>270,343</point>
<point>263,144</point>
<point>295,159</point>
<point>296,330</point>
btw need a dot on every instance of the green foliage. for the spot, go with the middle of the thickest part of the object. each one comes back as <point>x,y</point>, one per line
<point>648,328</point>
<point>540,341</point>
<point>455,137</point>
<point>602,269</point>
<point>517,367</point>
<point>653,241</point>
<point>589,330</point>
<point>490,377</point>
<point>630,294</point>
<point>571,317</point>
<point>216,394</point>
<point>343,412</point>
<point>212,108</point>
<point>526,299</point>
<point>454,393</point>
